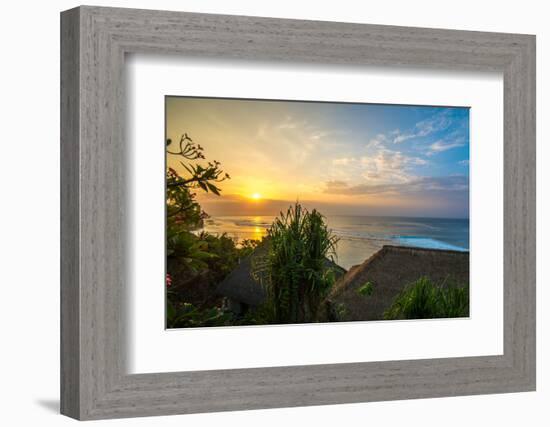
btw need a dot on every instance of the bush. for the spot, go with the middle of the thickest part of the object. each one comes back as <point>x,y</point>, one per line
<point>295,272</point>
<point>425,300</point>
<point>366,289</point>
<point>186,315</point>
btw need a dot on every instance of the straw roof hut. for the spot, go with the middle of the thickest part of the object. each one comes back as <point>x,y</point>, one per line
<point>243,291</point>
<point>389,270</point>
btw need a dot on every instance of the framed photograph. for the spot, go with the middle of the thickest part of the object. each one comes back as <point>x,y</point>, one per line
<point>331,212</point>
<point>262,213</point>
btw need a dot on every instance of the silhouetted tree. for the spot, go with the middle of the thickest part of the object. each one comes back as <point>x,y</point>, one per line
<point>180,198</point>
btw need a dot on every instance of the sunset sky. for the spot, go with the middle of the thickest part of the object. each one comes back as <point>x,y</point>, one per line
<point>343,159</point>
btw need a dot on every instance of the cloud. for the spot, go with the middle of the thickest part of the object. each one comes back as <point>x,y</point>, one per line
<point>464,163</point>
<point>335,186</point>
<point>445,144</point>
<point>390,166</point>
<point>443,183</point>
<point>319,135</point>
<point>234,205</point>
<point>377,140</point>
<point>290,123</point>
<point>418,161</point>
<point>344,161</point>
<point>383,166</point>
<point>438,122</point>
<point>297,140</point>
<point>342,188</point>
<point>452,183</point>
<point>403,137</point>
<point>386,166</point>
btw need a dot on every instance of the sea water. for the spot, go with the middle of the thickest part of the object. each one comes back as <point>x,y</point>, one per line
<point>360,236</point>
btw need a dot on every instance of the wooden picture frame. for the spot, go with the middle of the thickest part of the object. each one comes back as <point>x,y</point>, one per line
<point>94,382</point>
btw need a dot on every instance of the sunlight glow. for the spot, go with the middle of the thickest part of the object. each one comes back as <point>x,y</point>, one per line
<point>343,159</point>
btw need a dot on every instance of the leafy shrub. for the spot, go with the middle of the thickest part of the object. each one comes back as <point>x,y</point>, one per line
<point>295,272</point>
<point>181,206</point>
<point>186,315</point>
<point>260,315</point>
<point>455,301</point>
<point>341,311</point>
<point>366,289</point>
<point>188,248</point>
<point>425,300</point>
<point>197,263</point>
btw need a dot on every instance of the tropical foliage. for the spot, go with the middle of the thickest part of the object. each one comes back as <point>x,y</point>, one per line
<point>365,289</point>
<point>196,261</point>
<point>424,299</point>
<point>186,315</point>
<point>180,197</point>
<point>295,271</point>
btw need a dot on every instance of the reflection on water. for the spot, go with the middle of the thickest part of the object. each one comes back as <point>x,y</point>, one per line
<point>259,233</point>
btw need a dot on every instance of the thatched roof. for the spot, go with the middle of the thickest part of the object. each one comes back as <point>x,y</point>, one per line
<point>389,270</point>
<point>241,287</point>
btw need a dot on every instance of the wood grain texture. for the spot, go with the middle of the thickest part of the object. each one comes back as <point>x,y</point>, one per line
<point>70,297</point>
<point>94,271</point>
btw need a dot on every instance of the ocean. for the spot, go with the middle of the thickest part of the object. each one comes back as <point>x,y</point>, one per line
<point>361,236</point>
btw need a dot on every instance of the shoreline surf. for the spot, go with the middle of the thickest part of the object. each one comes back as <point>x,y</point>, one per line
<point>359,237</point>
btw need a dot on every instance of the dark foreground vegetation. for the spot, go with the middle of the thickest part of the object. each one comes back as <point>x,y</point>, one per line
<point>424,299</point>
<point>195,262</point>
<point>295,266</point>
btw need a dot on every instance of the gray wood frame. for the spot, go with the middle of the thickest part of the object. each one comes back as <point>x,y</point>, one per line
<point>94,41</point>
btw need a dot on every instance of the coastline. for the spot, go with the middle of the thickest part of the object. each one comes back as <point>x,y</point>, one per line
<point>359,237</point>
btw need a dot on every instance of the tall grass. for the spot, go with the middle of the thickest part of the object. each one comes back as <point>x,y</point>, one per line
<point>296,269</point>
<point>425,300</point>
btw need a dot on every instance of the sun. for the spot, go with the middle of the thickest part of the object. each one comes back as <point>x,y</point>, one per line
<point>256,196</point>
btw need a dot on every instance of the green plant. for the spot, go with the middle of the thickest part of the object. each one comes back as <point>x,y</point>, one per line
<point>341,311</point>
<point>186,315</point>
<point>295,271</point>
<point>188,249</point>
<point>455,301</point>
<point>260,315</point>
<point>225,252</point>
<point>365,289</point>
<point>425,300</point>
<point>196,261</point>
<point>181,206</point>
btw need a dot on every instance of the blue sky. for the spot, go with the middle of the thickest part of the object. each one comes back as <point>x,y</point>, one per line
<point>352,159</point>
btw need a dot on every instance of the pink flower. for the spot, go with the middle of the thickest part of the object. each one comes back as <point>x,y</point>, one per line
<point>172,174</point>
<point>168,280</point>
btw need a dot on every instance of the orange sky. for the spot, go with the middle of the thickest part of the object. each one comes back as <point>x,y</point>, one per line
<point>280,152</point>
